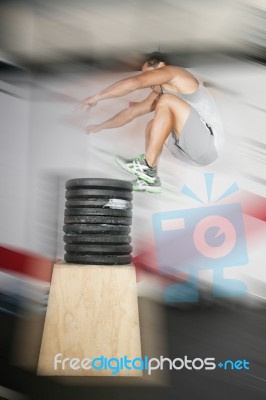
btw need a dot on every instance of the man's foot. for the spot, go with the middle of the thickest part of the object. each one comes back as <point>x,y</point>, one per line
<point>139,185</point>
<point>138,166</point>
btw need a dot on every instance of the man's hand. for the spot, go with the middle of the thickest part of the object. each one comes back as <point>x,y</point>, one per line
<point>93,128</point>
<point>89,102</point>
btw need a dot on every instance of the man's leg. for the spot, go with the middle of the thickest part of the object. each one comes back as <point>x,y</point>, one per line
<point>147,134</point>
<point>165,121</point>
<point>171,114</point>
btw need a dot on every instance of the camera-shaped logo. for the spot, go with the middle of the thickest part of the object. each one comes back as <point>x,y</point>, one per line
<point>202,238</point>
<point>210,237</point>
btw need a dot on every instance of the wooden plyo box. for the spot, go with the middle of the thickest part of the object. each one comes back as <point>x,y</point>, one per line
<point>92,312</point>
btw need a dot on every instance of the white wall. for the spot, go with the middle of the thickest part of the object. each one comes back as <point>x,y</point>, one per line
<point>14,132</point>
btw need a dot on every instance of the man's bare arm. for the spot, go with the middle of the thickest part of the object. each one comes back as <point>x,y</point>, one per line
<point>126,86</point>
<point>128,114</point>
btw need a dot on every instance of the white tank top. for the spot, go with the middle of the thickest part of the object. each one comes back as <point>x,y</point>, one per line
<point>202,101</point>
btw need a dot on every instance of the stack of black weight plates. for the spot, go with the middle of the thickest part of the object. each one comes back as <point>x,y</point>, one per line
<point>97,221</point>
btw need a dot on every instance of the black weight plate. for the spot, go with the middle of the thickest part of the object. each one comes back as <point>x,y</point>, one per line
<point>98,260</point>
<point>99,229</point>
<point>99,183</point>
<point>98,249</point>
<point>99,203</point>
<point>95,193</point>
<point>97,239</point>
<point>91,219</point>
<point>98,211</point>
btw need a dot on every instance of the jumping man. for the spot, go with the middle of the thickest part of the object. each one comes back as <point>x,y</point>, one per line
<point>185,118</point>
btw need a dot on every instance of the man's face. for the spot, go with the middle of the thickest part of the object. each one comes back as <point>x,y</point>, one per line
<point>146,67</point>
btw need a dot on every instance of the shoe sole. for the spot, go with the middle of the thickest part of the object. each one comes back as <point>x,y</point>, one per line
<point>150,190</point>
<point>144,177</point>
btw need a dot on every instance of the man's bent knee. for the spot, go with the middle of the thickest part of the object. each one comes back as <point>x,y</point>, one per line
<point>170,100</point>
<point>164,100</point>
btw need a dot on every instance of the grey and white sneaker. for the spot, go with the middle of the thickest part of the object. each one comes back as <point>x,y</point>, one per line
<point>138,166</point>
<point>139,185</point>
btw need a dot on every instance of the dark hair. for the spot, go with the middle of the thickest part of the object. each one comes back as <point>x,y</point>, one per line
<point>153,59</point>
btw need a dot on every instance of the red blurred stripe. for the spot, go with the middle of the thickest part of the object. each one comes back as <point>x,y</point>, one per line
<point>25,263</point>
